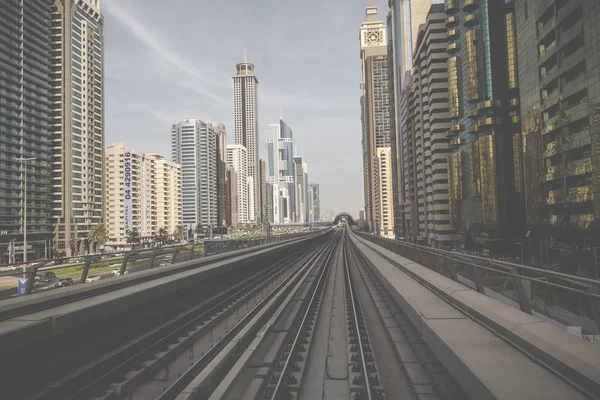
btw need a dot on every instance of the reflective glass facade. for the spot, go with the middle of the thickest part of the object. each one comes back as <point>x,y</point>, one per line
<point>485,171</point>
<point>25,128</point>
<point>559,77</point>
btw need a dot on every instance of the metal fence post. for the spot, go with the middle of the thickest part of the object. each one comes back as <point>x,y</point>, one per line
<point>476,275</point>
<point>86,270</point>
<point>30,278</point>
<point>595,304</point>
<point>154,254</point>
<point>124,265</point>
<point>523,298</point>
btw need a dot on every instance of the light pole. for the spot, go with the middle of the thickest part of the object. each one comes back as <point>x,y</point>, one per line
<point>24,161</point>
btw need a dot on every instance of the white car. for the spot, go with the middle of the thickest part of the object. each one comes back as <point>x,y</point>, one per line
<point>117,272</point>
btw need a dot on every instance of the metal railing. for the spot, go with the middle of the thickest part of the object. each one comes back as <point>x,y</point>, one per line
<point>568,299</point>
<point>48,274</point>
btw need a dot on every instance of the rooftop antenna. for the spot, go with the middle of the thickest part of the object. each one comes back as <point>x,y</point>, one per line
<point>371,3</point>
<point>245,59</point>
<point>280,115</point>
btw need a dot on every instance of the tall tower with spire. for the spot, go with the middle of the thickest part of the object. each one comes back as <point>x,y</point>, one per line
<point>245,126</point>
<point>376,135</point>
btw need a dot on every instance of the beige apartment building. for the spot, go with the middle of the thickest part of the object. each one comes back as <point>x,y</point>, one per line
<point>143,192</point>
<point>169,211</point>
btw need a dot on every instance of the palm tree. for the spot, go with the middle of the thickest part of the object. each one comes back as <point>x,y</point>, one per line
<point>133,237</point>
<point>180,232</point>
<point>162,235</point>
<point>97,236</point>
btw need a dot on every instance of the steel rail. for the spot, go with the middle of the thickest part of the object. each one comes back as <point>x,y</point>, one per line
<point>288,360</point>
<point>353,301</point>
<point>173,391</point>
<point>221,301</point>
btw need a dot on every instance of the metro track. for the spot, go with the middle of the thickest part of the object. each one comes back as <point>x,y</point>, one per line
<point>335,296</point>
<point>89,364</point>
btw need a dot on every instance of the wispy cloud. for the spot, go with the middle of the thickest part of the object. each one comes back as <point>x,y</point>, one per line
<point>169,60</point>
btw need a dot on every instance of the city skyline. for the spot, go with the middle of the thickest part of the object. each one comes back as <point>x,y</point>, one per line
<point>176,84</point>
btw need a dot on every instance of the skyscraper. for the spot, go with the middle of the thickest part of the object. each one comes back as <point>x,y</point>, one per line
<point>232,196</point>
<point>559,66</point>
<point>403,22</point>
<point>237,158</point>
<point>316,201</point>
<point>263,190</point>
<point>486,199</point>
<point>311,204</point>
<point>375,118</point>
<point>194,147</point>
<point>221,136</point>
<point>245,124</point>
<point>427,137</point>
<point>280,172</point>
<point>77,75</point>
<point>25,127</point>
<point>301,190</point>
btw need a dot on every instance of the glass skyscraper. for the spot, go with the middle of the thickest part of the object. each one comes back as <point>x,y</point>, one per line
<point>25,127</point>
<point>559,76</point>
<point>486,194</point>
<point>280,172</point>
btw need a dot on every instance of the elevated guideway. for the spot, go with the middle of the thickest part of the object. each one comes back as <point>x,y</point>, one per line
<point>493,350</point>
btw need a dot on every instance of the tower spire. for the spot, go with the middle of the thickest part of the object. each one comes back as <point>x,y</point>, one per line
<point>245,59</point>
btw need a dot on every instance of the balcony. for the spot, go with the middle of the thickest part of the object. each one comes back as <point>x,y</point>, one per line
<point>451,21</point>
<point>474,128</point>
<point>489,121</point>
<point>451,6</point>
<point>581,194</point>
<point>452,48</point>
<point>470,20</point>
<point>470,5</point>
<point>452,34</point>
<point>488,105</point>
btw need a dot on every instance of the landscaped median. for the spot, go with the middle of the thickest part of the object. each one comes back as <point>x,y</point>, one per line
<point>110,264</point>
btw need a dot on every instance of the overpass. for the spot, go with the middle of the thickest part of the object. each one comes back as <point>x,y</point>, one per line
<point>452,325</point>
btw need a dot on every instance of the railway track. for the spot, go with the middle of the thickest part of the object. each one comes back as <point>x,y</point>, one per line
<point>365,383</point>
<point>209,381</point>
<point>424,373</point>
<point>119,373</point>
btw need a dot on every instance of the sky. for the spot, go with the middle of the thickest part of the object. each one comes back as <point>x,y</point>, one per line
<point>166,61</point>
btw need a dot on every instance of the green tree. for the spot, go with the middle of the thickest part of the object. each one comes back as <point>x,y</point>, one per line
<point>180,232</point>
<point>97,236</point>
<point>162,235</point>
<point>133,237</point>
<point>199,229</point>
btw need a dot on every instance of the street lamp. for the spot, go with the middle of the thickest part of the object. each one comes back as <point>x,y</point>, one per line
<point>24,161</point>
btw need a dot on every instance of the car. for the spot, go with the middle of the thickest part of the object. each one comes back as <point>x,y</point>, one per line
<point>164,264</point>
<point>117,272</point>
<point>64,282</point>
<point>48,276</point>
<point>93,278</point>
